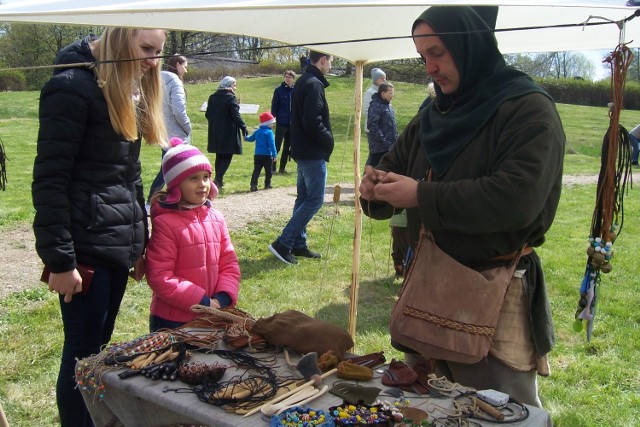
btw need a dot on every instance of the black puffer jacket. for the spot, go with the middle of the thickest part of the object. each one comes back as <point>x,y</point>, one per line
<point>311,137</point>
<point>87,189</point>
<point>225,123</point>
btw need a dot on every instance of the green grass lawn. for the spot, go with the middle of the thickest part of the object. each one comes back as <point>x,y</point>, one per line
<point>591,384</point>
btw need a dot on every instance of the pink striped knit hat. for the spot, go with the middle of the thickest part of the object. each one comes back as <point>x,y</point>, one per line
<point>179,163</point>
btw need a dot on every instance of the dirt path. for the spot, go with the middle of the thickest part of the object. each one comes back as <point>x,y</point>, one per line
<point>20,266</point>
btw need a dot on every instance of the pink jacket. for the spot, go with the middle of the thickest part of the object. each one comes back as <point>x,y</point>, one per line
<point>190,254</point>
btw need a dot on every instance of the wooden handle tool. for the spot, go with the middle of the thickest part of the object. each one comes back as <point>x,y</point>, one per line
<point>284,396</point>
<point>485,407</point>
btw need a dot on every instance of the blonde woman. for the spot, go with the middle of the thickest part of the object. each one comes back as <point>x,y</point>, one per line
<point>90,224</point>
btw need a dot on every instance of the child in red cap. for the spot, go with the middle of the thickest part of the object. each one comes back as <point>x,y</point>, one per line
<point>190,258</point>
<point>265,153</point>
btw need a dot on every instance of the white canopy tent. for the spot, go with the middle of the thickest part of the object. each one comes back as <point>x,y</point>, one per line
<point>358,31</point>
<point>346,23</point>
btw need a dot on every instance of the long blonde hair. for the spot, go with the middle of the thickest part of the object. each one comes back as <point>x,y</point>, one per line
<point>118,77</point>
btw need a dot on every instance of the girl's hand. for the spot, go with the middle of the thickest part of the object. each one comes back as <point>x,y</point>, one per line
<point>214,303</point>
<point>66,284</point>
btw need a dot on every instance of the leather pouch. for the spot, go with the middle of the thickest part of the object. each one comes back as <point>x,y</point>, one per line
<point>350,371</point>
<point>370,360</point>
<point>399,374</point>
<point>446,310</point>
<point>304,334</point>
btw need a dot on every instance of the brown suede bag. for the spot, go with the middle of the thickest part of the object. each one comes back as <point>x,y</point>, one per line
<point>302,333</point>
<point>446,310</point>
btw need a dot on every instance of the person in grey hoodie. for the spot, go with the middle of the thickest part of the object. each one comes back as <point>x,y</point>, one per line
<point>174,108</point>
<point>377,77</point>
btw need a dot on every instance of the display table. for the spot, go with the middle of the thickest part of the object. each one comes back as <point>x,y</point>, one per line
<point>139,401</point>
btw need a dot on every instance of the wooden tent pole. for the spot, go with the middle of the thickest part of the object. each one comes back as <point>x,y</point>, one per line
<point>355,268</point>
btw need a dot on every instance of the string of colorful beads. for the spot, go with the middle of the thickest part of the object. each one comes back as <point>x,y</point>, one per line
<point>144,344</point>
<point>87,380</point>
<point>298,417</point>
<point>600,253</point>
<point>348,415</point>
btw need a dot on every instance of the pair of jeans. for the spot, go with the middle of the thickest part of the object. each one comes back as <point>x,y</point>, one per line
<point>156,323</point>
<point>261,161</point>
<point>88,322</point>
<point>635,148</point>
<point>282,134</point>
<point>312,179</point>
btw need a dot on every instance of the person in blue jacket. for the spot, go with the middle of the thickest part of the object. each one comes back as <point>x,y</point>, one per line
<point>265,153</point>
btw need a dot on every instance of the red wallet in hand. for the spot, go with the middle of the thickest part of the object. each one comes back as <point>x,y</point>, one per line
<point>86,273</point>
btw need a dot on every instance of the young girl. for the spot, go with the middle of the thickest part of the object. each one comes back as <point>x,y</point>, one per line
<point>190,258</point>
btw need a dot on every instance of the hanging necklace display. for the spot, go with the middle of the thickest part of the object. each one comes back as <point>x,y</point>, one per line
<point>608,215</point>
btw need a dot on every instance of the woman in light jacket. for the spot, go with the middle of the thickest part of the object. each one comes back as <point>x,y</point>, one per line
<point>174,108</point>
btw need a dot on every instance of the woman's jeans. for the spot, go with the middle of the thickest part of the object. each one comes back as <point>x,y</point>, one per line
<point>88,322</point>
<point>283,134</point>
<point>312,179</point>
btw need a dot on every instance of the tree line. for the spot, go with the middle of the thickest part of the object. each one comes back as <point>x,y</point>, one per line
<point>28,45</point>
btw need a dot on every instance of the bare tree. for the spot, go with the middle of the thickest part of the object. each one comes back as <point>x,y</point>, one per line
<point>553,64</point>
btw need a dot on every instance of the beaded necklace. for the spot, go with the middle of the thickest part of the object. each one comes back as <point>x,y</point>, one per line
<point>120,352</point>
<point>89,371</point>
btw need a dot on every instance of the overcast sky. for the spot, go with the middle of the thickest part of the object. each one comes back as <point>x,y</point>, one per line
<point>596,56</point>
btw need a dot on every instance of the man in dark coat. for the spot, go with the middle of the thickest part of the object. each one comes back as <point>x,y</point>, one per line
<point>493,145</point>
<point>281,110</point>
<point>311,147</point>
<point>225,125</point>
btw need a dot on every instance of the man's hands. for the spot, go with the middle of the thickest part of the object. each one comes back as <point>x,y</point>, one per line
<point>398,190</point>
<point>66,284</point>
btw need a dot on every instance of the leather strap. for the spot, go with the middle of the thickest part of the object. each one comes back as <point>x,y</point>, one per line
<point>509,257</point>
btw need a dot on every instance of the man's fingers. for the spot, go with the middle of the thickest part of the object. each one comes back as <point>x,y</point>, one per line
<point>389,177</point>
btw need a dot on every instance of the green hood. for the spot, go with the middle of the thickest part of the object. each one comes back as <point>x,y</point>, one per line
<point>452,120</point>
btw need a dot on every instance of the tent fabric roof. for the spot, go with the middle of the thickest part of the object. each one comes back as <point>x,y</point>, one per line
<point>356,30</point>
